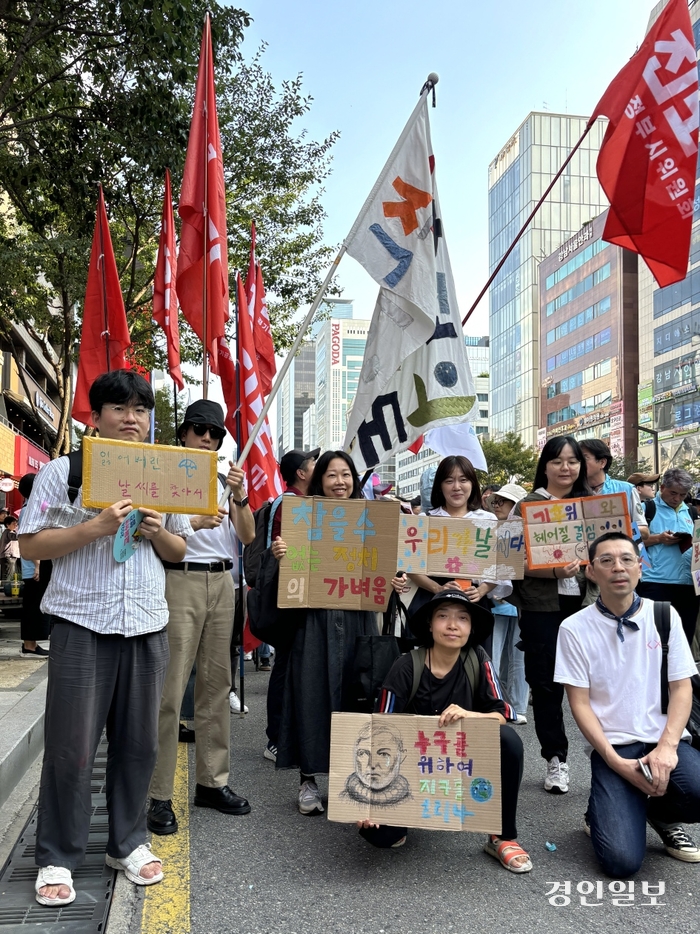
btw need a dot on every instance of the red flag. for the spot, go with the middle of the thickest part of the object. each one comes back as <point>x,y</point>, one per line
<point>648,158</point>
<point>104,319</point>
<point>203,193</point>
<point>227,374</point>
<point>263,474</point>
<point>257,308</point>
<point>164,299</point>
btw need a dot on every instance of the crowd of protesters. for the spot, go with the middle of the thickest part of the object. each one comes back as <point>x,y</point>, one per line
<point>126,640</point>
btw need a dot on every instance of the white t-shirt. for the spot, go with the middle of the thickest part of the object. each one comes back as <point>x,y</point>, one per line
<point>623,678</point>
<point>219,544</point>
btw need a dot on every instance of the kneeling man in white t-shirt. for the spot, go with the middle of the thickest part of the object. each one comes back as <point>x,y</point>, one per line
<point>643,767</point>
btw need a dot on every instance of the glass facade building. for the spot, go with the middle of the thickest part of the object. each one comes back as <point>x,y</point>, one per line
<point>588,341</point>
<point>297,393</point>
<point>669,347</point>
<point>518,177</point>
<point>340,351</point>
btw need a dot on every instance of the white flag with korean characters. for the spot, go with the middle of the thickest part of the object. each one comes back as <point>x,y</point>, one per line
<point>428,387</point>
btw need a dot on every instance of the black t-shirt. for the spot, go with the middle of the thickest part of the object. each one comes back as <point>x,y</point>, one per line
<point>436,694</point>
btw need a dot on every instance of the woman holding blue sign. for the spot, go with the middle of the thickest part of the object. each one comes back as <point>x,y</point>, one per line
<point>322,655</point>
<point>453,677</point>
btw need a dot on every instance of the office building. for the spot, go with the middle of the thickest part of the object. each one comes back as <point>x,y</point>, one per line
<point>588,341</point>
<point>518,177</point>
<point>340,350</point>
<point>297,393</point>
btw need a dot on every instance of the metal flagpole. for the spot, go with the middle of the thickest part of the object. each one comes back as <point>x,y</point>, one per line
<point>241,596</point>
<point>526,224</point>
<point>105,311</point>
<point>175,408</point>
<point>205,344</point>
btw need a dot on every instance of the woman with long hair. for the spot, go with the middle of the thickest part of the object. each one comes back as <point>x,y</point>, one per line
<point>545,598</point>
<point>322,654</point>
<point>456,494</point>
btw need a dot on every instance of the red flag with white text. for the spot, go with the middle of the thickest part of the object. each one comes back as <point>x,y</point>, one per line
<point>104,318</point>
<point>203,193</point>
<point>164,299</point>
<point>257,308</point>
<point>648,158</point>
<point>261,467</point>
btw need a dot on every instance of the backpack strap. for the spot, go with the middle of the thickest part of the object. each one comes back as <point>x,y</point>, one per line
<point>469,660</point>
<point>662,620</point>
<point>273,509</point>
<point>649,510</point>
<point>75,474</point>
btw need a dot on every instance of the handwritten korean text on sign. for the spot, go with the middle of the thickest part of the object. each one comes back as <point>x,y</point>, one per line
<point>557,531</point>
<point>157,476</point>
<point>407,771</point>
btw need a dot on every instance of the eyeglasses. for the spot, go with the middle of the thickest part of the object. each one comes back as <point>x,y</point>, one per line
<point>139,411</point>
<point>216,434</point>
<point>609,561</point>
<point>497,502</point>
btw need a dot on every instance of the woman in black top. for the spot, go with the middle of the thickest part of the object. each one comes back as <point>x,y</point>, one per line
<point>446,625</point>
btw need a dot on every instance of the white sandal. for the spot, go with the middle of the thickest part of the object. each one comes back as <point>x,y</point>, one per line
<point>132,865</point>
<point>54,875</point>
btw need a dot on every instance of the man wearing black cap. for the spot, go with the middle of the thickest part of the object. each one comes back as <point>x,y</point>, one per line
<point>200,595</point>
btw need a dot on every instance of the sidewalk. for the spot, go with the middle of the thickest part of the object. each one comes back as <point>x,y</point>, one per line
<point>22,701</point>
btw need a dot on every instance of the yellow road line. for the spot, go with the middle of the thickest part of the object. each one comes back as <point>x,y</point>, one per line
<point>166,907</point>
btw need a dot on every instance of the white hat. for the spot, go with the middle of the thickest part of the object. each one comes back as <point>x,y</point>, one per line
<point>510,491</point>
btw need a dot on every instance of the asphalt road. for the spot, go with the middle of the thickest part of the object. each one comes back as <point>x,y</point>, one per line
<point>277,872</point>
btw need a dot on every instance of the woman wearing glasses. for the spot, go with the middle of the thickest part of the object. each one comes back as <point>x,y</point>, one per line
<point>545,597</point>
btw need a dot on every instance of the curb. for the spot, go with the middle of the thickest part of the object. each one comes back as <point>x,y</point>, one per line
<point>21,739</point>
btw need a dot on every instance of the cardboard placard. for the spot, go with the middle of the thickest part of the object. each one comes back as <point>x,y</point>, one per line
<point>557,531</point>
<point>482,547</point>
<point>695,557</point>
<point>157,476</point>
<point>339,553</point>
<point>405,771</point>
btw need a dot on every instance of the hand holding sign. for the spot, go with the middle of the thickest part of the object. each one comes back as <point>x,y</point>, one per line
<point>128,538</point>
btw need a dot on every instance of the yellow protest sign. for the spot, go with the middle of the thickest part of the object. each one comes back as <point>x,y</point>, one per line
<point>406,771</point>
<point>157,476</point>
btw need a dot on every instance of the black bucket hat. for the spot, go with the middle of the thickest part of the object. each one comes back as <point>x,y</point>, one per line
<point>482,620</point>
<point>203,412</point>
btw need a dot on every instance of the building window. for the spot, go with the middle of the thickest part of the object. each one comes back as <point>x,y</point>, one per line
<point>595,278</point>
<point>583,257</point>
<point>577,321</point>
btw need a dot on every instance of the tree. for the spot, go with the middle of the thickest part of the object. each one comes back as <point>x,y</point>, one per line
<point>102,92</point>
<point>509,460</point>
<point>623,467</point>
<point>164,417</point>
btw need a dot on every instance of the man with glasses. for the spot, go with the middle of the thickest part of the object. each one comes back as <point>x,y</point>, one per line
<point>109,653</point>
<point>200,594</point>
<point>609,659</point>
<point>667,575</point>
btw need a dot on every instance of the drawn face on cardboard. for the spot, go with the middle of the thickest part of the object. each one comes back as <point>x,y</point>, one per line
<point>378,758</point>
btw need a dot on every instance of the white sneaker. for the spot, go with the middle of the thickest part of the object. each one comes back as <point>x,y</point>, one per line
<point>235,702</point>
<point>521,720</point>
<point>248,656</point>
<point>557,779</point>
<point>310,799</point>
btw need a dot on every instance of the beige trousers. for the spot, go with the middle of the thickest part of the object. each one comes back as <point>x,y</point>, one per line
<point>200,605</point>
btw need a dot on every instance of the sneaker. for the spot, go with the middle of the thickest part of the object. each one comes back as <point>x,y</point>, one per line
<point>557,779</point>
<point>235,702</point>
<point>676,842</point>
<point>310,799</point>
<point>270,752</point>
<point>265,664</point>
<point>520,720</point>
<point>248,656</point>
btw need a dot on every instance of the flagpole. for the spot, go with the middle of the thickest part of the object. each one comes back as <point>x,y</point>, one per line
<point>105,312</point>
<point>290,356</point>
<point>241,651</point>
<point>175,408</point>
<point>527,222</point>
<point>205,360</point>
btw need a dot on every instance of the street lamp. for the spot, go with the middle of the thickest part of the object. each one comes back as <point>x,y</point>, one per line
<point>655,436</point>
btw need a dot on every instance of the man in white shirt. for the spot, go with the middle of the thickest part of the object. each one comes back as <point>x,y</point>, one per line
<point>609,659</point>
<point>200,595</point>
<point>109,652</point>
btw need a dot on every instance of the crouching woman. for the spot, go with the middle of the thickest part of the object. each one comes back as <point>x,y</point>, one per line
<point>449,626</point>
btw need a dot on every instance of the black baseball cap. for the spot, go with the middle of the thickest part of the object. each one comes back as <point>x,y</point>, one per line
<point>203,412</point>
<point>292,461</point>
<point>481,619</point>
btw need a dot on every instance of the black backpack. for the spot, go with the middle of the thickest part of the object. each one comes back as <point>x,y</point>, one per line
<point>662,619</point>
<point>469,660</point>
<point>252,554</point>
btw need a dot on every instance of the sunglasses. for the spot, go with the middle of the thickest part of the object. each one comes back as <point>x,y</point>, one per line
<point>216,434</point>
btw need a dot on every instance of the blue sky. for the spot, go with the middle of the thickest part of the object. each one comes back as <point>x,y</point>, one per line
<point>365,62</point>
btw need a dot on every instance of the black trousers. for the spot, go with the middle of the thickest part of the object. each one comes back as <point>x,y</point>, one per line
<point>539,633</point>
<point>511,776</point>
<point>682,598</point>
<point>96,681</point>
<point>275,692</point>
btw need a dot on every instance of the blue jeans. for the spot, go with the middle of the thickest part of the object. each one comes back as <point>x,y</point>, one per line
<point>618,811</point>
<point>508,660</point>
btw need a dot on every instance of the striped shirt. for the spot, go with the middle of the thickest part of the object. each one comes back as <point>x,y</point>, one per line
<point>88,586</point>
